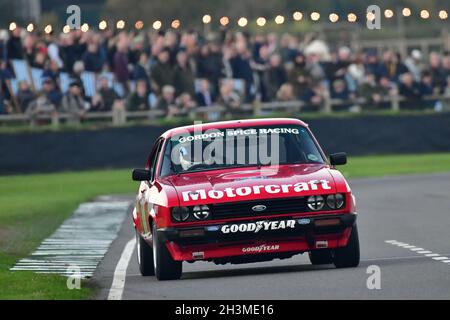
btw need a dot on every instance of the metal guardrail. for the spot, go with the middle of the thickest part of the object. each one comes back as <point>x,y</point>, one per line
<point>120,116</point>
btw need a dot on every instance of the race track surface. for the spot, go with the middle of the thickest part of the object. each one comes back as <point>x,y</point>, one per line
<point>412,213</point>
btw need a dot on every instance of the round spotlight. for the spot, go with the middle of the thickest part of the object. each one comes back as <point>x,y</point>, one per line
<point>66,29</point>
<point>406,12</point>
<point>335,201</point>
<point>85,27</point>
<point>279,19</point>
<point>315,203</point>
<point>12,26</point>
<point>424,14</point>
<point>102,25</point>
<point>206,19</point>
<point>175,24</point>
<point>30,27</point>
<point>297,16</point>
<point>370,16</point>
<point>261,21</point>
<point>351,17</point>
<point>48,29</point>
<point>139,24</point>
<point>120,24</point>
<point>157,25</point>
<point>224,21</point>
<point>333,17</point>
<point>315,16</point>
<point>180,214</point>
<point>242,22</point>
<point>443,15</point>
<point>388,13</point>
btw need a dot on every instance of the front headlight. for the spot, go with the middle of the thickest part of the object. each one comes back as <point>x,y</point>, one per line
<point>335,201</point>
<point>315,203</point>
<point>180,214</point>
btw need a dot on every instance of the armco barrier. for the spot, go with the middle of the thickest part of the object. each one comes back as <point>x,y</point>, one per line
<point>128,147</point>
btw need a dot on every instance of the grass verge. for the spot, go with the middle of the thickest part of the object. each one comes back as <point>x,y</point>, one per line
<point>33,206</point>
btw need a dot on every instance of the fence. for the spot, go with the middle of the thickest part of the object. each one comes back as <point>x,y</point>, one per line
<point>120,116</point>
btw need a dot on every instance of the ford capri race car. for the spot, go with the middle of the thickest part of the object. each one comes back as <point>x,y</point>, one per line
<point>239,192</point>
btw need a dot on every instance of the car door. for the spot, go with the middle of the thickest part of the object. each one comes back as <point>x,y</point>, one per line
<point>144,205</point>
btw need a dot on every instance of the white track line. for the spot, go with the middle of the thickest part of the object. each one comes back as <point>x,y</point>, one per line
<point>424,252</point>
<point>116,290</point>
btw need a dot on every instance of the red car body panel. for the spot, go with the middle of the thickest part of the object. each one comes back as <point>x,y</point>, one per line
<point>153,202</point>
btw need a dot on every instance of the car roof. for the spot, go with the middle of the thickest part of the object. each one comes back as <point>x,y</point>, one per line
<point>233,124</point>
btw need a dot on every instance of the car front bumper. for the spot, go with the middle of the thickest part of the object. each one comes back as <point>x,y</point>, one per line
<point>305,234</point>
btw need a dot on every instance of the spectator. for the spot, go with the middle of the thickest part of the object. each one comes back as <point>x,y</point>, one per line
<point>24,95</point>
<point>299,75</point>
<point>210,64</point>
<point>5,76</point>
<point>167,102</point>
<point>104,98</point>
<point>92,60</point>
<point>73,103</point>
<point>183,75</point>
<point>139,100</point>
<point>276,76</point>
<point>240,66</point>
<point>426,89</point>
<point>141,70</point>
<point>374,93</point>
<point>41,106</point>
<point>437,73</point>
<point>162,72</point>
<point>121,72</point>
<point>14,44</point>
<point>413,63</point>
<point>53,95</point>
<point>410,90</point>
<point>229,98</point>
<point>286,93</point>
<point>391,67</point>
<point>204,96</point>
<point>339,91</point>
<point>51,70</point>
<point>185,104</point>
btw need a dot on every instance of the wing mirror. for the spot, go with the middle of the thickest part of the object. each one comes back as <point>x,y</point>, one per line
<point>339,158</point>
<point>141,175</point>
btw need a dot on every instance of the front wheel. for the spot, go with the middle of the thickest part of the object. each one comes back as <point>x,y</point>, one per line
<point>165,267</point>
<point>144,256</point>
<point>348,256</point>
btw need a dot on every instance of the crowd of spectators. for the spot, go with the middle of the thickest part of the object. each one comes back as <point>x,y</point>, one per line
<point>176,71</point>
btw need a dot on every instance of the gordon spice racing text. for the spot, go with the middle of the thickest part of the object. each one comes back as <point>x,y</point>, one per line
<point>242,191</point>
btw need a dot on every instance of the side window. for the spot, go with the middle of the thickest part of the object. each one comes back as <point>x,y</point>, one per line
<point>154,158</point>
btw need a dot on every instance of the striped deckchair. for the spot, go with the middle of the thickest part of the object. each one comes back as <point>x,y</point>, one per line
<point>88,79</point>
<point>21,70</point>
<point>36,74</point>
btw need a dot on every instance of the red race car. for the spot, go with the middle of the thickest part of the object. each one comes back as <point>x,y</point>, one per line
<point>239,192</point>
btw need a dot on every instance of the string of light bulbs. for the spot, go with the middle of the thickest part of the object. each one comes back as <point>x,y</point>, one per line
<point>243,22</point>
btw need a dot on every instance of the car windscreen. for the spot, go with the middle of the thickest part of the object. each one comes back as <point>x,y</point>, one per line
<point>239,147</point>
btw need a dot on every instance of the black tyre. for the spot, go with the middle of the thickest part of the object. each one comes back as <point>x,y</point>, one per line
<point>165,267</point>
<point>144,256</point>
<point>348,256</point>
<point>323,256</point>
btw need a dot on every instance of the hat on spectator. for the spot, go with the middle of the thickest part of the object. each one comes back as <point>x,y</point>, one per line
<point>75,84</point>
<point>416,54</point>
<point>47,80</point>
